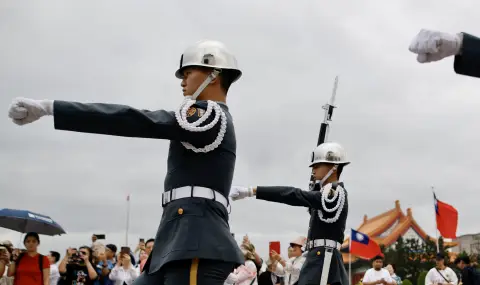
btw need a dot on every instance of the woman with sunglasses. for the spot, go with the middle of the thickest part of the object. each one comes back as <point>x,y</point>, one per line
<point>77,268</point>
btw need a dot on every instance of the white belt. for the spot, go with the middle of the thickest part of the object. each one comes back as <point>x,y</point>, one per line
<point>193,191</point>
<point>324,242</point>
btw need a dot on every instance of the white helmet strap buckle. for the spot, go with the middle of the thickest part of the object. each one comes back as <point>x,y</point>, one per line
<point>207,81</point>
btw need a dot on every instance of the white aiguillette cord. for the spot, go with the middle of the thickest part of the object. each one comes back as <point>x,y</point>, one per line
<point>181,116</point>
<point>339,193</point>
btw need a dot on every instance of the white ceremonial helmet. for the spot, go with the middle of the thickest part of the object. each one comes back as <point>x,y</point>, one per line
<point>212,54</point>
<point>329,152</point>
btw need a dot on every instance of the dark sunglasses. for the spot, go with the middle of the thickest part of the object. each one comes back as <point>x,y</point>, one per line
<point>83,252</point>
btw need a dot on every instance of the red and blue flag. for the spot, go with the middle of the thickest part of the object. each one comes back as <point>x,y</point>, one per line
<point>361,245</point>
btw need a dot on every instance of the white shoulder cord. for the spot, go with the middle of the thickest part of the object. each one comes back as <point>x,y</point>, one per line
<point>181,116</point>
<point>338,208</point>
<point>338,193</point>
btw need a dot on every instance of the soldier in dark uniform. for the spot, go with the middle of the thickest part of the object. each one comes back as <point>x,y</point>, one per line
<point>328,207</point>
<point>193,244</point>
<point>433,46</point>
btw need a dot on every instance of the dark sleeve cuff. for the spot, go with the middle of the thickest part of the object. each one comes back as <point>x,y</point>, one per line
<point>468,62</point>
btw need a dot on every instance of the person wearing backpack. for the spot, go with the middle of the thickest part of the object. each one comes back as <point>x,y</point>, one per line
<point>30,267</point>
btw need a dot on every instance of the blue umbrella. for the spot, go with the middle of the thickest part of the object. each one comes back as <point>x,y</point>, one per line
<point>26,221</point>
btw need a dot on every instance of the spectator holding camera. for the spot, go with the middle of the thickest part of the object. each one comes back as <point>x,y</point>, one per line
<point>29,267</point>
<point>123,272</point>
<point>105,263</point>
<point>77,267</point>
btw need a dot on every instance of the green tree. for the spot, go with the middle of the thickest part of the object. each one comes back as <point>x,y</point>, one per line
<point>399,257</point>
<point>462,254</point>
<point>430,252</point>
<point>414,252</point>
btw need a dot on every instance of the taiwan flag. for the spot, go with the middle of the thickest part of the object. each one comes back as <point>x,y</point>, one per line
<point>447,218</point>
<point>361,245</point>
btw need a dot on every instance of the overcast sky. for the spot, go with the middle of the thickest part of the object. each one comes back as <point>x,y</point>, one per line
<point>406,126</point>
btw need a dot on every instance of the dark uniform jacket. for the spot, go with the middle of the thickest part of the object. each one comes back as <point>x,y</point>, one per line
<point>312,268</point>
<point>200,229</point>
<point>470,276</point>
<point>468,62</point>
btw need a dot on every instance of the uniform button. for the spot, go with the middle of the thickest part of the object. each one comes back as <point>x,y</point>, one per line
<point>318,252</point>
<point>180,211</point>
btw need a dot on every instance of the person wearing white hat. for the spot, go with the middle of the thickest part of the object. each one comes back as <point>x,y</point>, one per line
<point>193,243</point>
<point>328,208</point>
<point>291,268</point>
<point>431,46</point>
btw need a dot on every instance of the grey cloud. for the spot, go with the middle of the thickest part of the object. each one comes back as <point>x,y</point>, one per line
<point>405,126</point>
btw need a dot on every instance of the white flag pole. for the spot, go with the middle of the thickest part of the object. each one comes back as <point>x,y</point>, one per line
<point>350,258</point>
<point>128,220</point>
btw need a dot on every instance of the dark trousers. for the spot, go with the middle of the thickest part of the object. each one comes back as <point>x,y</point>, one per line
<point>189,272</point>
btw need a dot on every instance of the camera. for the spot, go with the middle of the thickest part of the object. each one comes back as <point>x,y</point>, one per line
<point>76,259</point>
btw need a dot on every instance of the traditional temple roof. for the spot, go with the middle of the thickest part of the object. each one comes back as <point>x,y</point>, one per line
<point>386,229</point>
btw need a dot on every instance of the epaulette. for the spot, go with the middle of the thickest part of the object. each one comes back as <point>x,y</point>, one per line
<point>181,116</point>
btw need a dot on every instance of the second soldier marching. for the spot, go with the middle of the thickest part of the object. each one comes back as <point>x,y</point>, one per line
<point>328,207</point>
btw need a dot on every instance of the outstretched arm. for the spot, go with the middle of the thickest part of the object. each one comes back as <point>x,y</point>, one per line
<point>335,202</point>
<point>432,46</point>
<point>289,195</point>
<point>279,194</point>
<point>467,62</point>
<point>117,120</point>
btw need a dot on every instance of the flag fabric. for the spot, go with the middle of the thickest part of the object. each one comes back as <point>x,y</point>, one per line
<point>447,218</point>
<point>361,245</point>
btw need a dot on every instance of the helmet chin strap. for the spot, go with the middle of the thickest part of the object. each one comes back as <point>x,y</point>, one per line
<point>329,173</point>
<point>207,81</point>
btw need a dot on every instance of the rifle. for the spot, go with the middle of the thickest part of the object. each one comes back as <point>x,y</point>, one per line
<point>325,127</point>
<point>322,137</point>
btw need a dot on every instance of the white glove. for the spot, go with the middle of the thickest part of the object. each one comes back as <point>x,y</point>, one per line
<point>238,192</point>
<point>24,111</point>
<point>433,46</point>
